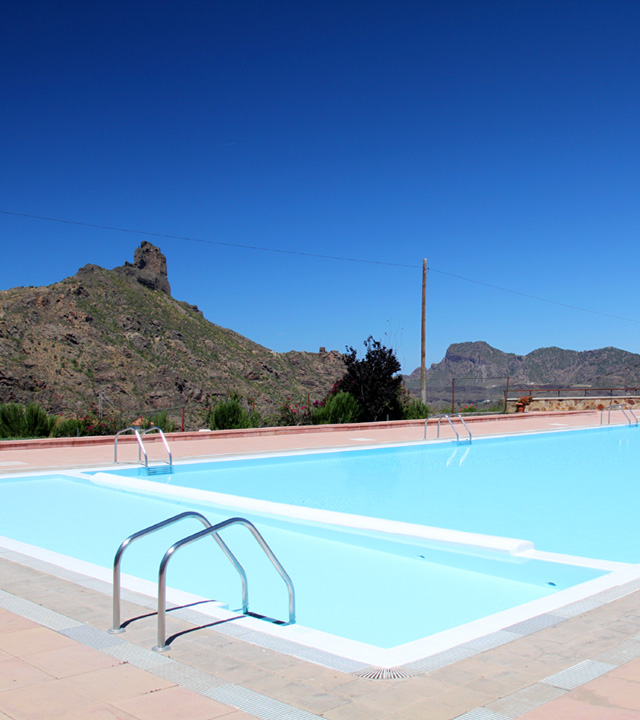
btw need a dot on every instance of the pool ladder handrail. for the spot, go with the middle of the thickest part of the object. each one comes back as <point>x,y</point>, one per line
<point>447,417</point>
<point>623,408</point>
<point>141,448</point>
<point>213,530</point>
<point>117,561</point>
<point>208,530</point>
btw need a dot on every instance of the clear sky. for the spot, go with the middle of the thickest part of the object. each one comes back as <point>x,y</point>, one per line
<point>500,139</point>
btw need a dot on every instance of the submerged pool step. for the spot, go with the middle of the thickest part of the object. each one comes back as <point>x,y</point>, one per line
<point>159,469</point>
<point>436,537</point>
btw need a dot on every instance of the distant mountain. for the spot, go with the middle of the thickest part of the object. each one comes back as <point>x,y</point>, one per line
<point>119,333</point>
<point>545,367</point>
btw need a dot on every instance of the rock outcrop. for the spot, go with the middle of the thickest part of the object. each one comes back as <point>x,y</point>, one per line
<point>149,268</point>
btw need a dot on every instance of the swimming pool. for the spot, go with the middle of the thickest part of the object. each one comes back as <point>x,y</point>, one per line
<point>379,583</point>
<point>342,587</point>
<point>573,493</point>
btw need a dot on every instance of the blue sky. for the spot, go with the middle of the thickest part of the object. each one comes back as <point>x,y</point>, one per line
<point>498,139</point>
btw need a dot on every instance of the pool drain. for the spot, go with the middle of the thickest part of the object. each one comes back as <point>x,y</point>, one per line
<point>377,673</point>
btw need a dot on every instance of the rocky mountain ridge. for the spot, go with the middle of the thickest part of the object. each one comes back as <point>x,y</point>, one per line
<point>119,336</point>
<point>481,368</point>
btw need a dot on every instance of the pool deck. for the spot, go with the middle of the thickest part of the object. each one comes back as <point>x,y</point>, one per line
<point>58,661</point>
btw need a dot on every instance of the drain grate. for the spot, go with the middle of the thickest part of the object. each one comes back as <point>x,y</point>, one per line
<point>482,714</point>
<point>377,673</point>
<point>440,660</point>
<point>622,653</point>
<point>37,613</point>
<point>88,635</point>
<point>541,622</point>
<point>525,700</point>
<point>579,674</point>
<point>260,706</point>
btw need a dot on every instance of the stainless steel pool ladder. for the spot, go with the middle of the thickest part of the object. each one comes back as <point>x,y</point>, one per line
<point>623,408</point>
<point>141,448</point>
<point>447,417</point>
<point>209,529</point>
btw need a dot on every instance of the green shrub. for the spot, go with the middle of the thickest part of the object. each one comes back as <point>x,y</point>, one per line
<point>162,420</point>
<point>17,421</point>
<point>12,424</point>
<point>36,421</point>
<point>339,408</point>
<point>65,427</point>
<point>416,410</point>
<point>320,414</point>
<point>229,415</point>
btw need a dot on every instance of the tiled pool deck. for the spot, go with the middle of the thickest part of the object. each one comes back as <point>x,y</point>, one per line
<point>58,661</point>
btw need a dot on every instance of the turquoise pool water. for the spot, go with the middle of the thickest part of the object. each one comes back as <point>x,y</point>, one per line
<point>385,595</point>
<point>574,492</point>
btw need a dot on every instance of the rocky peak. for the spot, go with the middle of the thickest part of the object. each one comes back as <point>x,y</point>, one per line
<point>149,268</point>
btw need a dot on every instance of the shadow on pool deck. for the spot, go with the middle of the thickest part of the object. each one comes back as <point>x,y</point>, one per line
<point>58,661</point>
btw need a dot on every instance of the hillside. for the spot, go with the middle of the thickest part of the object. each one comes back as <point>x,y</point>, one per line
<point>120,334</point>
<point>549,367</point>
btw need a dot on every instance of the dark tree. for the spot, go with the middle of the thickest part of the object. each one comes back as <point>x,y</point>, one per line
<point>373,381</point>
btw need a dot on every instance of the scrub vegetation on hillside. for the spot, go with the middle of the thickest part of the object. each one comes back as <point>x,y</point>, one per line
<point>370,390</point>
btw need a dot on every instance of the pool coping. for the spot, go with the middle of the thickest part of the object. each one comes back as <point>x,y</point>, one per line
<point>41,443</point>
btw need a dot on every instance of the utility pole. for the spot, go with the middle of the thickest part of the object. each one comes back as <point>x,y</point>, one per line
<point>423,354</point>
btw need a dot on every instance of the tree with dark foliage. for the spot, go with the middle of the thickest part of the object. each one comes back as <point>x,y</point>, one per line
<point>373,381</point>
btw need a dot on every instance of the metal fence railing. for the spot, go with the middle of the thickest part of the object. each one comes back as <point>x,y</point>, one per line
<point>495,393</point>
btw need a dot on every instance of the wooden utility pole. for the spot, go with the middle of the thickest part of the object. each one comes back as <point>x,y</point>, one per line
<point>423,354</point>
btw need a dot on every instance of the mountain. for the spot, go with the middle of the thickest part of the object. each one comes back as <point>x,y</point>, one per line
<point>480,371</point>
<point>119,334</point>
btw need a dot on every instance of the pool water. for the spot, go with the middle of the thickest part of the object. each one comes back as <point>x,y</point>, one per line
<point>575,493</point>
<point>385,595</point>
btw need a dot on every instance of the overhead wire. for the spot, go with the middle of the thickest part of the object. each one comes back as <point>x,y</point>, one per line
<point>208,242</point>
<point>534,297</point>
<point>316,255</point>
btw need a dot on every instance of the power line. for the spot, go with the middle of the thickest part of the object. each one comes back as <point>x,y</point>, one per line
<point>317,255</point>
<point>534,297</point>
<point>206,242</point>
